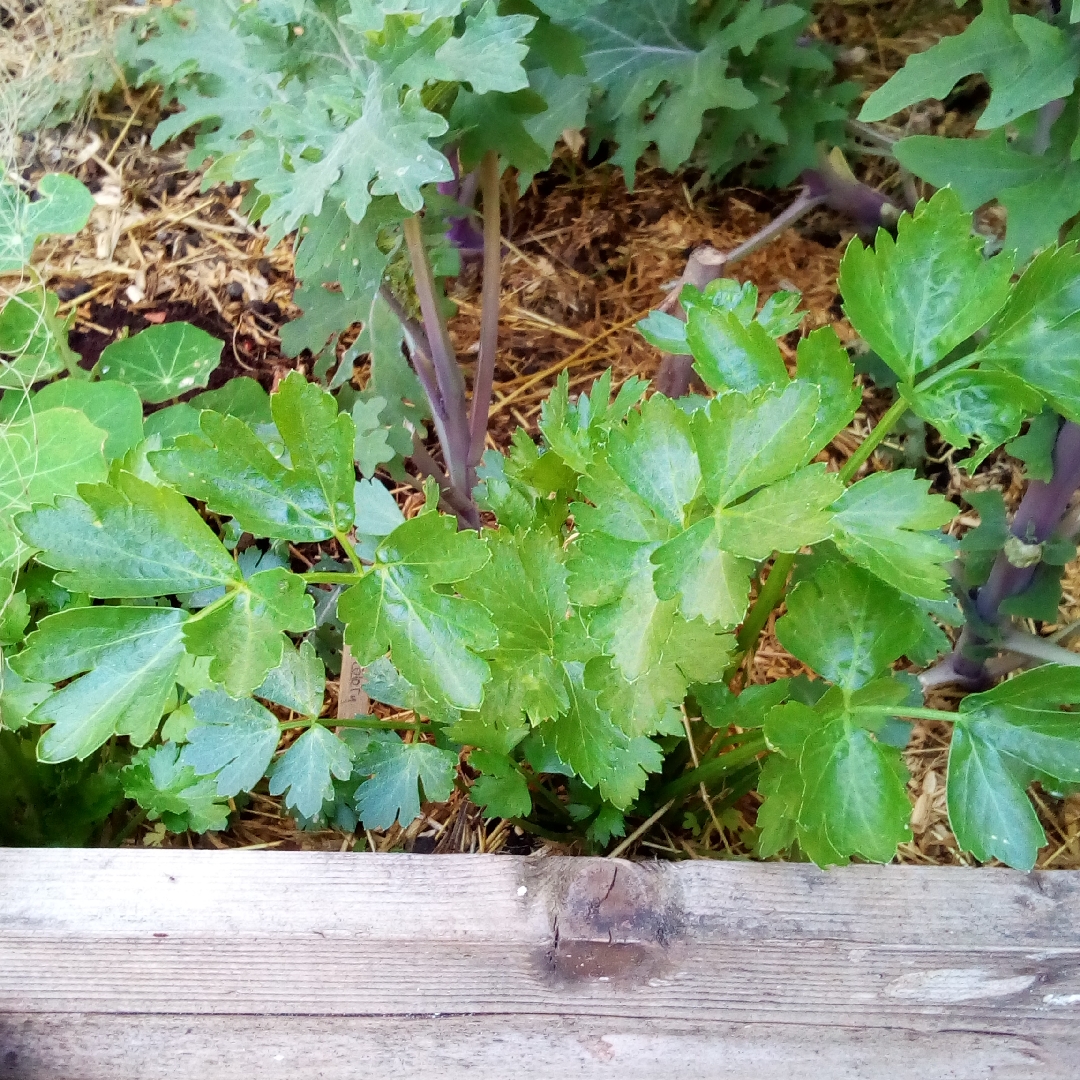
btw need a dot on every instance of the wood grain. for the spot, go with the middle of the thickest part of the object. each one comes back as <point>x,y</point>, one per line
<point>174,965</point>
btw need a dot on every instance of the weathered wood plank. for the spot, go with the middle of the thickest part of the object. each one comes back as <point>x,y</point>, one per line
<point>196,964</point>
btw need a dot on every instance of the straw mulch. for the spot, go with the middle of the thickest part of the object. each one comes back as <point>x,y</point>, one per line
<point>585,259</point>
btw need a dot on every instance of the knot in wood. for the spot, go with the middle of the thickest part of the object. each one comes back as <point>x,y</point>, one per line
<point>614,921</point>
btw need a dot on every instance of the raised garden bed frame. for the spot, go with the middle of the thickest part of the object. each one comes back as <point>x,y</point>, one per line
<point>193,965</point>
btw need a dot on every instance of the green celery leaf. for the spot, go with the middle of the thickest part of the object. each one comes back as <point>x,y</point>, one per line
<point>665,332</point>
<point>524,590</point>
<point>710,582</point>
<point>821,359</point>
<point>130,656</point>
<point>914,299</point>
<point>777,819</point>
<point>397,770</point>
<point>111,406</point>
<point>745,443</point>
<point>234,739</point>
<point>304,773</point>
<point>847,624</point>
<point>241,397</point>
<point>1037,334</point>
<point>655,458</point>
<point>731,355</point>
<point>298,682</point>
<point>1003,740</point>
<point>233,472</point>
<point>854,794</point>
<point>245,634</point>
<point>845,790</point>
<point>162,362</point>
<point>984,405</point>
<point>577,431</point>
<point>1035,448</point>
<point>131,540</point>
<point>63,208</point>
<point>585,737</point>
<point>656,655</point>
<point>434,639</point>
<point>785,516</point>
<point>884,523</point>
<point>169,790</point>
<point>500,789</point>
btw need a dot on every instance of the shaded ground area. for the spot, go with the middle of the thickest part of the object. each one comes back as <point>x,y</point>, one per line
<point>585,258</point>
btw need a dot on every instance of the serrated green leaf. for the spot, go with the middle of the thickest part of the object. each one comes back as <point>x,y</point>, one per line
<point>731,355</point>
<point>1039,192</point>
<point>822,360</point>
<point>914,299</point>
<point>162,362</point>
<point>34,338</point>
<point>130,657</point>
<point>584,737</point>
<point>63,207</point>
<point>1037,334</point>
<point>500,789</point>
<point>128,540</point>
<point>655,458</point>
<point>233,472</point>
<point>524,589</point>
<point>234,739</point>
<point>110,406</point>
<point>434,639</point>
<point>298,682</point>
<point>710,582</point>
<point>785,516</point>
<point>304,773</point>
<point>19,697</point>
<point>158,781</point>
<point>245,634</point>
<point>385,151</point>
<point>884,523</point>
<point>1035,448</point>
<point>1003,740</point>
<point>847,624</point>
<point>854,795</point>
<point>984,405</point>
<point>745,443</point>
<point>397,770</point>
<point>989,45</point>
<point>488,53</point>
<point>577,431</point>
<point>241,397</point>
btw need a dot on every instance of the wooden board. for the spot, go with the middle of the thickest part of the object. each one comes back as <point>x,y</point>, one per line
<point>199,965</point>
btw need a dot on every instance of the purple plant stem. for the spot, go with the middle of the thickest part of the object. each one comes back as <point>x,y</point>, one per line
<point>451,383</point>
<point>489,308</point>
<point>1038,515</point>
